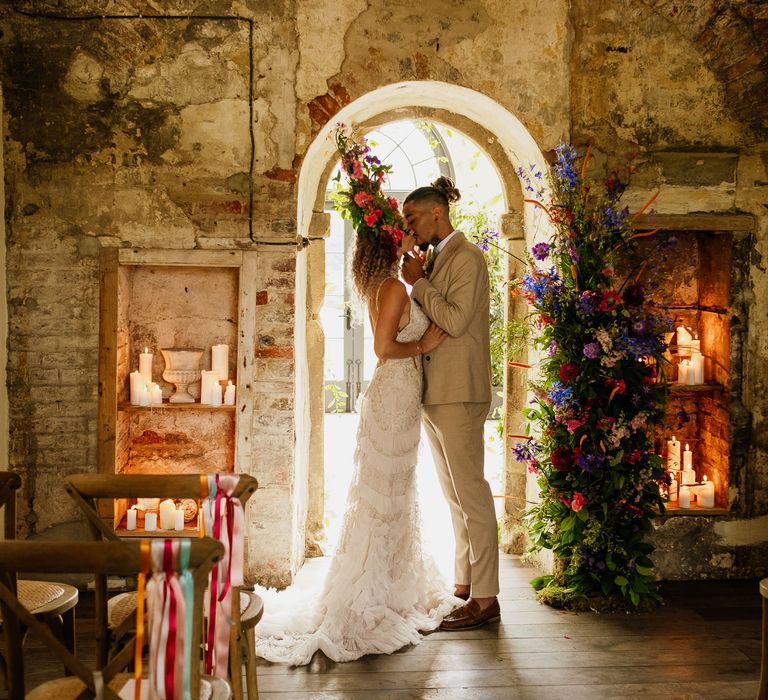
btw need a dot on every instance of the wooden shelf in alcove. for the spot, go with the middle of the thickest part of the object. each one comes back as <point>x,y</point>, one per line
<point>693,510</point>
<point>680,388</point>
<point>128,407</point>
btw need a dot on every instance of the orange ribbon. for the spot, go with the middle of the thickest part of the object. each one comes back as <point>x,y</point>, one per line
<point>144,559</point>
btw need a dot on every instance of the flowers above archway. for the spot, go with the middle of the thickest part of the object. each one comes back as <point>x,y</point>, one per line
<point>599,398</point>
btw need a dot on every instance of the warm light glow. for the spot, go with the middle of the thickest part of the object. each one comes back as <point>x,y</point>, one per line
<point>704,479</point>
<point>687,449</point>
<point>146,349</point>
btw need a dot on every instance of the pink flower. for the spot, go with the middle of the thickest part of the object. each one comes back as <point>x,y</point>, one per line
<point>363,199</point>
<point>372,217</point>
<point>578,501</point>
<point>382,176</point>
<point>573,425</point>
<point>357,171</point>
<point>393,203</point>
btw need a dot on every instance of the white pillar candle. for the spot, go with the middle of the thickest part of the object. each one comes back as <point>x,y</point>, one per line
<point>145,364</point>
<point>683,342</point>
<point>178,521</point>
<point>150,522</point>
<point>130,518</point>
<point>215,394</point>
<point>167,514</point>
<point>673,488</point>
<point>683,369</point>
<point>705,495</point>
<point>687,457</point>
<point>155,395</point>
<point>208,380</point>
<point>696,344</point>
<point>144,394</point>
<point>673,454</point>
<point>137,381</point>
<point>220,360</point>
<point>688,476</point>
<point>696,372</point>
<point>229,394</point>
<point>685,497</point>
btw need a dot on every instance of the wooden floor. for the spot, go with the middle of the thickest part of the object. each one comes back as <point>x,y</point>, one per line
<point>704,643</point>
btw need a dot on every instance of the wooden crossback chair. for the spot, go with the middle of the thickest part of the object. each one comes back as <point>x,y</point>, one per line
<point>116,618</point>
<point>50,602</point>
<point>103,558</point>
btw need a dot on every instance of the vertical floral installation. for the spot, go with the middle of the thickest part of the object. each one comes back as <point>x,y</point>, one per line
<point>599,399</point>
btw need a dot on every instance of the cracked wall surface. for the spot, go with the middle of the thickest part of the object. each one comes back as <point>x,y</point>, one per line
<point>184,124</point>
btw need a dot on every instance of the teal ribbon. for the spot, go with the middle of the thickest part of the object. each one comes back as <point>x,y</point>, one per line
<point>188,588</point>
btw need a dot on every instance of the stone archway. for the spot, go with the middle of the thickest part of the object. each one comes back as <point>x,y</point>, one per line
<point>509,146</point>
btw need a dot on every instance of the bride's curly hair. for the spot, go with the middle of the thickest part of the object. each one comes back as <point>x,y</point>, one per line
<point>371,264</point>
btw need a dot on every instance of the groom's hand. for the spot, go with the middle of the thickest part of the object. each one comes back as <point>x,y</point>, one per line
<point>412,268</point>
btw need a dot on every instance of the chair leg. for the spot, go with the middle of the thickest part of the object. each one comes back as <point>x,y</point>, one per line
<point>236,663</point>
<point>250,665</point>
<point>68,634</point>
<point>762,693</point>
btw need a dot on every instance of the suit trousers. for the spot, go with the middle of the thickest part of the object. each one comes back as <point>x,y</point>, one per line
<point>456,436</point>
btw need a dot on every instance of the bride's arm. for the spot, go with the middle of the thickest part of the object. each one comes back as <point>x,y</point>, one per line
<point>391,301</point>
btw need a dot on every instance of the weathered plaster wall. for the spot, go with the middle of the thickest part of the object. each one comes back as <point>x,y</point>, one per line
<point>156,132</point>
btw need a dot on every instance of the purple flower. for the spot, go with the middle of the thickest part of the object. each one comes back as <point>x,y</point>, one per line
<point>592,350</point>
<point>552,349</point>
<point>540,251</point>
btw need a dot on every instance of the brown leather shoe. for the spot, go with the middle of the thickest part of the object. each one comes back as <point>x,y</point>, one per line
<point>469,616</point>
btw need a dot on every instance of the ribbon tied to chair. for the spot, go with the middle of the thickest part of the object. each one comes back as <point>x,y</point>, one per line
<point>170,604</point>
<point>225,522</point>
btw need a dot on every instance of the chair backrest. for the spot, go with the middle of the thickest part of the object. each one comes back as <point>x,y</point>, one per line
<point>103,558</point>
<point>9,484</point>
<point>86,489</point>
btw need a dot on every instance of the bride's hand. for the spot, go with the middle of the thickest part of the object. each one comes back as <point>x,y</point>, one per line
<point>433,336</point>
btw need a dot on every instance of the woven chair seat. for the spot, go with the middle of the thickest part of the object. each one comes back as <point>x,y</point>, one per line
<point>44,596</point>
<point>69,688</point>
<point>119,607</point>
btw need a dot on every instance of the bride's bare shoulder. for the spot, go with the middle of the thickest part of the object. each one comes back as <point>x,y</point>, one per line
<point>391,291</point>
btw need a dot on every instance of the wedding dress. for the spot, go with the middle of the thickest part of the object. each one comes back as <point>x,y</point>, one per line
<point>380,590</point>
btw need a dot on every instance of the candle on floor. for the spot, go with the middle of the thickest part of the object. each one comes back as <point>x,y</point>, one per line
<point>167,514</point>
<point>137,381</point>
<point>179,519</point>
<point>673,454</point>
<point>220,360</point>
<point>229,394</point>
<point>685,497</point>
<point>150,522</point>
<point>683,342</point>
<point>145,365</point>
<point>130,518</point>
<point>705,496</point>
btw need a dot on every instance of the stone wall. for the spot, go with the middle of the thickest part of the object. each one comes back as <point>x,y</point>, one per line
<point>158,131</point>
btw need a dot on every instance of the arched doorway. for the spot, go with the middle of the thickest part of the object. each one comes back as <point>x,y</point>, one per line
<point>510,146</point>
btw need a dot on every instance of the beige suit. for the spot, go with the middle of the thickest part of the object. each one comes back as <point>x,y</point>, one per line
<point>457,395</point>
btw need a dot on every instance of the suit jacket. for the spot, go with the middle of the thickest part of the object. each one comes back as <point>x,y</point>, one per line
<point>456,297</point>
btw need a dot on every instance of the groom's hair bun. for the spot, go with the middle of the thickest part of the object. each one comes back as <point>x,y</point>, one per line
<point>448,188</point>
<point>442,191</point>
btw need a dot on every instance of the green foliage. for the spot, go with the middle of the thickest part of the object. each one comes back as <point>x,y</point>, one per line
<point>338,402</point>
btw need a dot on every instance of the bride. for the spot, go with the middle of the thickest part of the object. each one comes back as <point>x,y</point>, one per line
<point>381,590</point>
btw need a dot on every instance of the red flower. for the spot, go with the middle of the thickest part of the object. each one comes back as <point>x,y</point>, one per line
<point>562,459</point>
<point>393,203</point>
<point>610,301</point>
<point>578,501</point>
<point>569,371</point>
<point>372,217</point>
<point>619,384</point>
<point>363,199</point>
<point>357,171</point>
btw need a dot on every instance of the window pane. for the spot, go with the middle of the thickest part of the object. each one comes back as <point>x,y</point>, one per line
<point>334,359</point>
<point>332,317</point>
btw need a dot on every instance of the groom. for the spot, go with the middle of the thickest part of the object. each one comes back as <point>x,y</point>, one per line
<point>454,293</point>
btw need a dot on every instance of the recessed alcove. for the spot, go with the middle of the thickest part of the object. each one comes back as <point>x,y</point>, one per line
<point>701,281</point>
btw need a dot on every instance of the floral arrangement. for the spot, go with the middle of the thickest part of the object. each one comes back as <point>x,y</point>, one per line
<point>372,213</point>
<point>599,400</point>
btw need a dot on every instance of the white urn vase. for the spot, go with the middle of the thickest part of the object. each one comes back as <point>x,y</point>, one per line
<point>182,368</point>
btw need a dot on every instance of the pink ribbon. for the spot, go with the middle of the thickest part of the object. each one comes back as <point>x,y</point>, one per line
<point>229,529</point>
